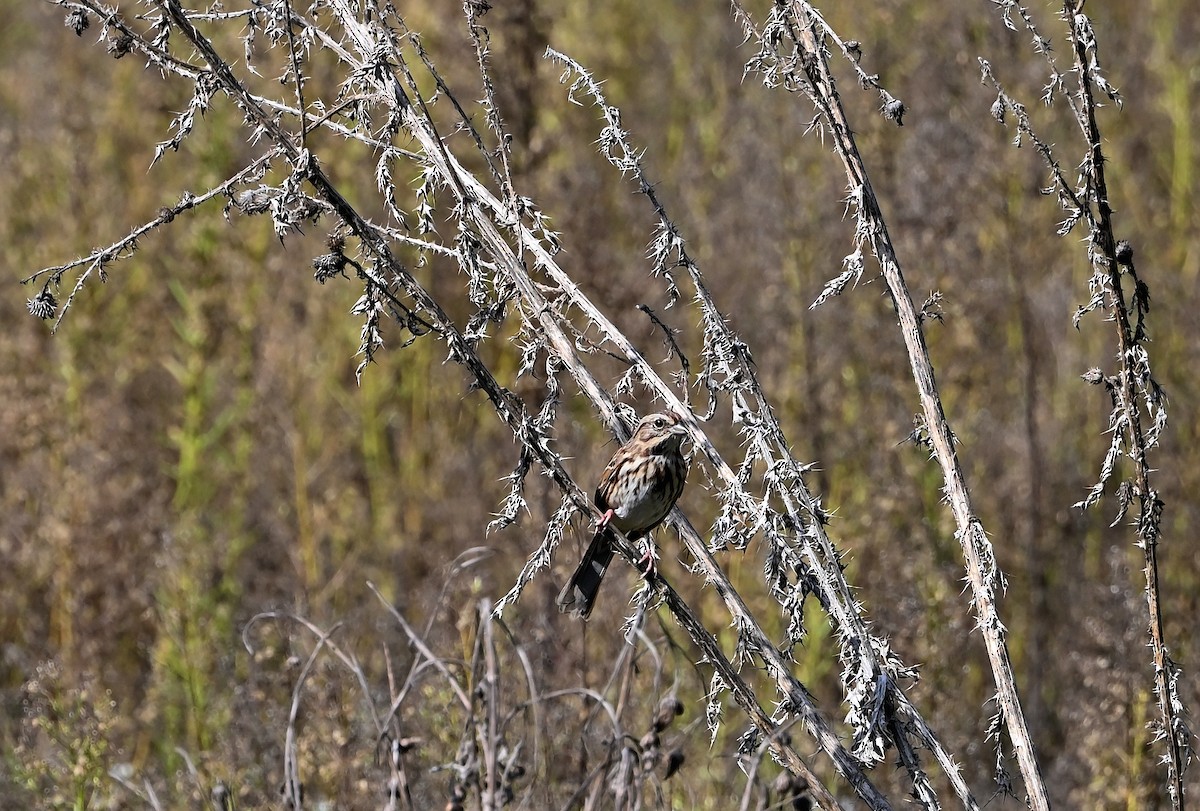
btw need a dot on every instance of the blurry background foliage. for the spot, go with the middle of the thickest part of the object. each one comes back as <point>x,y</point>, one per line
<point>192,448</point>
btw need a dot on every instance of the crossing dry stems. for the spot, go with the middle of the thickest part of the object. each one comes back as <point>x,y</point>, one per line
<point>513,278</point>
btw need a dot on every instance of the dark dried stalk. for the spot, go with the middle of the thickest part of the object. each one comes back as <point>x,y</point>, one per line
<point>1118,256</point>
<point>1133,389</point>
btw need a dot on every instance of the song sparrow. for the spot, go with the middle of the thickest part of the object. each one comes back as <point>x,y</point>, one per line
<point>638,488</point>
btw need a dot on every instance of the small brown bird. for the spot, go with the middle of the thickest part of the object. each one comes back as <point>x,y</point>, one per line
<point>638,488</point>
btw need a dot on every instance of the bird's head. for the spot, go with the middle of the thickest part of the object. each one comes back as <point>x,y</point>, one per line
<point>663,432</point>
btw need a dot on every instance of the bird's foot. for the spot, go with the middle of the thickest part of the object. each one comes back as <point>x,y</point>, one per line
<point>604,520</point>
<point>648,562</point>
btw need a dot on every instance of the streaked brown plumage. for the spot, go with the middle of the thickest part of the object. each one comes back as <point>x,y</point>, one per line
<point>637,490</point>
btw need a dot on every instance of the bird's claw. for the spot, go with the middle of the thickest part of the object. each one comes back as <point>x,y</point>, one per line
<point>648,563</point>
<point>604,520</point>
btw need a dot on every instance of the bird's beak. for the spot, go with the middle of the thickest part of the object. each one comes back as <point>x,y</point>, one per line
<point>680,430</point>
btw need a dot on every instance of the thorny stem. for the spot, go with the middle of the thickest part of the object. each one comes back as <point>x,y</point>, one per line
<point>788,685</point>
<point>1149,505</point>
<point>372,238</point>
<point>100,257</point>
<point>291,37</point>
<point>473,193</point>
<point>1133,383</point>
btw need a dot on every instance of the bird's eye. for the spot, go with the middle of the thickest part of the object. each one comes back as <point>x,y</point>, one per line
<point>661,422</point>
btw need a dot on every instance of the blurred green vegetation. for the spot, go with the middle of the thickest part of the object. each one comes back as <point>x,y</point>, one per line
<point>192,448</point>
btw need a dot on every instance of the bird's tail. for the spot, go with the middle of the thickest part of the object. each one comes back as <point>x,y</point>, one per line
<point>579,595</point>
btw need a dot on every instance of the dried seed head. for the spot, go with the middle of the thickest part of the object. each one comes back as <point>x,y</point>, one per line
<point>78,21</point>
<point>256,201</point>
<point>999,108</point>
<point>1124,252</point>
<point>308,208</point>
<point>44,305</point>
<point>120,45</point>
<point>327,266</point>
<point>894,110</point>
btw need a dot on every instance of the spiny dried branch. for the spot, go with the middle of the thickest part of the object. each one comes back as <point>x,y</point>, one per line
<point>1134,393</point>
